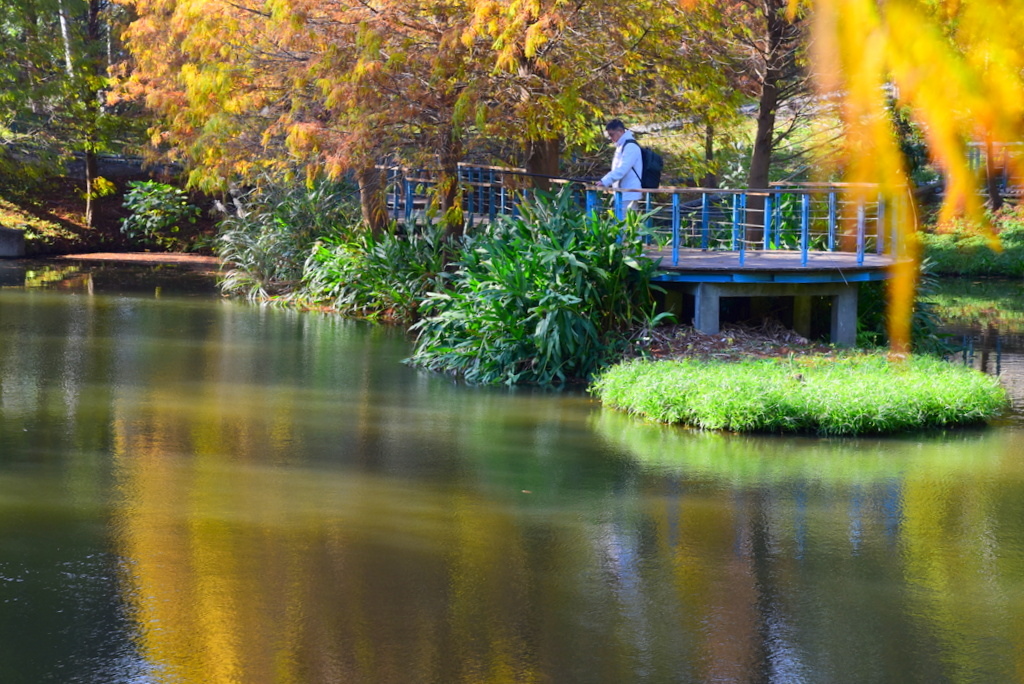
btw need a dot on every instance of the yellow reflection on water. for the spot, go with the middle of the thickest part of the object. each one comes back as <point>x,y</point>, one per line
<point>253,573</point>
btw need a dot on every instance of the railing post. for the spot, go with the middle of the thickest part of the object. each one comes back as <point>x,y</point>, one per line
<point>880,225</point>
<point>408,200</point>
<point>675,228</point>
<point>617,202</point>
<point>592,203</point>
<point>704,228</point>
<point>769,216</point>
<point>805,227</point>
<point>894,226</point>
<point>860,232</point>
<point>832,220</point>
<point>396,192</point>
<point>743,227</point>
<point>490,195</point>
<point>1004,177</point>
<point>735,222</point>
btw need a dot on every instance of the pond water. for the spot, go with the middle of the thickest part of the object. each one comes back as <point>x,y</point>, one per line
<point>194,490</point>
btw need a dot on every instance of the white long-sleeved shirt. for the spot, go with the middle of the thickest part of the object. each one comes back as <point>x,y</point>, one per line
<point>626,160</point>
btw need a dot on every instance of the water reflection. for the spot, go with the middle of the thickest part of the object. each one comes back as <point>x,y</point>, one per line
<point>985,322</point>
<point>197,491</point>
<point>908,551</point>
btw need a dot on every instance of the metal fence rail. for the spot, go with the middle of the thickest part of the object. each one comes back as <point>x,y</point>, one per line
<point>808,218</point>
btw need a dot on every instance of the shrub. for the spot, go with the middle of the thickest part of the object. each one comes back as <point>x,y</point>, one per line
<point>541,298</point>
<point>962,248</point>
<point>270,234</point>
<point>158,212</point>
<point>847,396</point>
<point>384,276</point>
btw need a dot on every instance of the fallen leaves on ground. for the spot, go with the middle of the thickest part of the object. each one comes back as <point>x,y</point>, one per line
<point>734,342</point>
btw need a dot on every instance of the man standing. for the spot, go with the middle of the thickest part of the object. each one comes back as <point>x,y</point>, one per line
<point>627,166</point>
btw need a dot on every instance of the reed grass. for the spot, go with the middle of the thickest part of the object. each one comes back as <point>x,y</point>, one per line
<point>854,395</point>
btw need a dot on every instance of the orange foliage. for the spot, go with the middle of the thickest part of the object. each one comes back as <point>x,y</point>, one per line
<point>957,64</point>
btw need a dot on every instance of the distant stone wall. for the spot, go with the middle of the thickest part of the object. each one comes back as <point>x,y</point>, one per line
<point>12,242</point>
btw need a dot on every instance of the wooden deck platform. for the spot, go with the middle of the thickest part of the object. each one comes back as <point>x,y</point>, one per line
<point>708,276</point>
<point>767,266</point>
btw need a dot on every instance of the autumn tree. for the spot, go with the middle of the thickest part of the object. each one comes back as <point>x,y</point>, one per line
<point>346,86</point>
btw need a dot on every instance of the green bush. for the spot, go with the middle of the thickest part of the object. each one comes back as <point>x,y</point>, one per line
<point>962,248</point>
<point>158,213</point>
<point>542,298</point>
<point>269,236</point>
<point>853,395</point>
<point>374,277</point>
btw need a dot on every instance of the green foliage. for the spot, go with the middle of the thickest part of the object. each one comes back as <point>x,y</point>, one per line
<point>866,394</point>
<point>542,298</point>
<point>912,143</point>
<point>273,230</point>
<point>873,312</point>
<point>788,225</point>
<point>384,276</point>
<point>158,212</point>
<point>962,248</point>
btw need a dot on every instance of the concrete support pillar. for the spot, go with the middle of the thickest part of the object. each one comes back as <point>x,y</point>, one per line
<point>844,317</point>
<point>802,315</point>
<point>708,296</point>
<point>706,308</point>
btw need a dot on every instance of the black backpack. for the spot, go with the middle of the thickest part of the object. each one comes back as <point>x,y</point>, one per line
<point>651,177</point>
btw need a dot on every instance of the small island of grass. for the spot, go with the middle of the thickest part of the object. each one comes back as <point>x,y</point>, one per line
<point>854,394</point>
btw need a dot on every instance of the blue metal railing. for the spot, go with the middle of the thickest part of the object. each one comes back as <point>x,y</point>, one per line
<point>809,218</point>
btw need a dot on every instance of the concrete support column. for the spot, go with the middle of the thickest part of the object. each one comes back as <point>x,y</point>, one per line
<point>844,317</point>
<point>706,307</point>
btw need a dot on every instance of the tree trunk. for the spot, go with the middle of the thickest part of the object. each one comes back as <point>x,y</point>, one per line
<point>91,173</point>
<point>92,41</point>
<point>543,162</point>
<point>449,194</point>
<point>776,56</point>
<point>371,198</point>
<point>710,178</point>
<point>992,173</point>
<point>760,163</point>
<point>65,34</point>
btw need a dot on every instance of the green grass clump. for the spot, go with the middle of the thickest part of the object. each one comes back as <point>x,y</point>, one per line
<point>864,394</point>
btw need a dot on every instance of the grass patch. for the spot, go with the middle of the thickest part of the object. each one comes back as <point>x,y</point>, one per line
<point>853,395</point>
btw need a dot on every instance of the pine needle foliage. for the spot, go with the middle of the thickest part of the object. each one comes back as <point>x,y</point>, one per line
<point>542,298</point>
<point>855,395</point>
